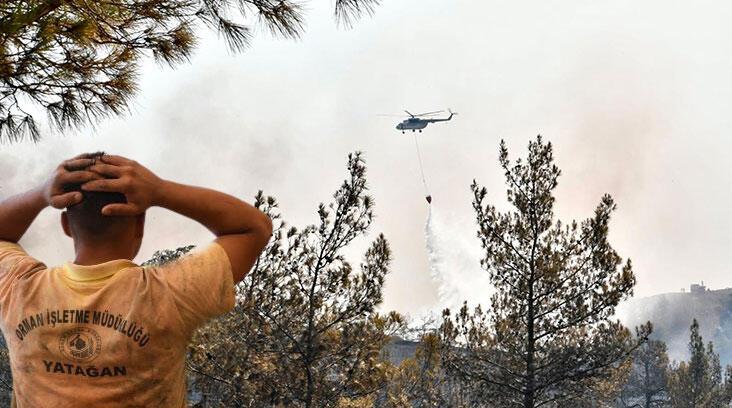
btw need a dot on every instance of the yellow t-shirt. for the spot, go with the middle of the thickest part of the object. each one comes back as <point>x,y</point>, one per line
<point>109,335</point>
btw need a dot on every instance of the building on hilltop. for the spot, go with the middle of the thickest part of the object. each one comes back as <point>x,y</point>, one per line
<point>697,289</point>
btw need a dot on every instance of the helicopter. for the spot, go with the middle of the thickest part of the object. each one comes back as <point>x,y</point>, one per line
<point>417,123</point>
<point>420,121</point>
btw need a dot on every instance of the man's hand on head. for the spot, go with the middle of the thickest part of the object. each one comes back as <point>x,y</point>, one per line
<point>18,212</point>
<point>140,186</point>
<point>72,171</point>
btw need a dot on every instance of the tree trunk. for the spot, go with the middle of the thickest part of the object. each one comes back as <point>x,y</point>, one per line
<point>530,392</point>
<point>646,385</point>
<point>530,369</point>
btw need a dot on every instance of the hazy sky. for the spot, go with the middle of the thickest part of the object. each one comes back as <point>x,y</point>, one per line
<point>634,95</point>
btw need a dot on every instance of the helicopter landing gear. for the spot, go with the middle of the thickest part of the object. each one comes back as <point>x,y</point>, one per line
<point>402,132</point>
<point>420,130</point>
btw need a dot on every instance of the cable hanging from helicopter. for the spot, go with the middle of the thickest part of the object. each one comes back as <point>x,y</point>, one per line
<point>428,196</point>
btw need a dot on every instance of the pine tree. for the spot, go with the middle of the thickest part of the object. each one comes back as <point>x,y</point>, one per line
<point>421,382</point>
<point>548,336</point>
<point>727,388</point>
<point>79,60</point>
<point>305,331</point>
<point>698,382</point>
<point>647,386</point>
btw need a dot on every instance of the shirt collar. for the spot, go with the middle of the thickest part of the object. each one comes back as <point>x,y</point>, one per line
<point>89,273</point>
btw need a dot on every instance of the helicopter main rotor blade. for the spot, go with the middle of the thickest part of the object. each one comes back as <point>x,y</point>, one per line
<point>430,113</point>
<point>408,113</point>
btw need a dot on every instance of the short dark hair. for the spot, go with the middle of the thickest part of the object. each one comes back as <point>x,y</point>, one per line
<point>86,217</point>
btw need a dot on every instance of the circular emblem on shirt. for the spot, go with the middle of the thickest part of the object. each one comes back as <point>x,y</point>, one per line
<point>80,344</point>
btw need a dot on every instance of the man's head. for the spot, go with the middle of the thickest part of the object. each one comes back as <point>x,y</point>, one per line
<point>91,230</point>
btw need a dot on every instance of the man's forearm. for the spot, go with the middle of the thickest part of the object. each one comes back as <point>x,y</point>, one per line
<point>17,213</point>
<point>221,213</point>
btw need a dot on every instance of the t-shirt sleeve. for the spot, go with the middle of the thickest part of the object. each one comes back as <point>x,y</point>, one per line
<point>201,283</point>
<point>14,264</point>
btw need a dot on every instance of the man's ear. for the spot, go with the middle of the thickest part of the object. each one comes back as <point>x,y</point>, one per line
<point>65,224</point>
<point>140,226</point>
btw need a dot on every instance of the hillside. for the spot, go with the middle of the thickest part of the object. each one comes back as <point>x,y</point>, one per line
<point>672,313</point>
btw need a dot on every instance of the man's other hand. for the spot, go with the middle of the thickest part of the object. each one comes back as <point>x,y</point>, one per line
<point>140,186</point>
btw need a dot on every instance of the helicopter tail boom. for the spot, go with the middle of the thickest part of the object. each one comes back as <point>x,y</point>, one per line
<point>447,119</point>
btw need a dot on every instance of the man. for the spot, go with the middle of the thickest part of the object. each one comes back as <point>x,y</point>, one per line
<point>102,331</point>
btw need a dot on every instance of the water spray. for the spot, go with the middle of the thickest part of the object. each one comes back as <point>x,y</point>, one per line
<point>453,256</point>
